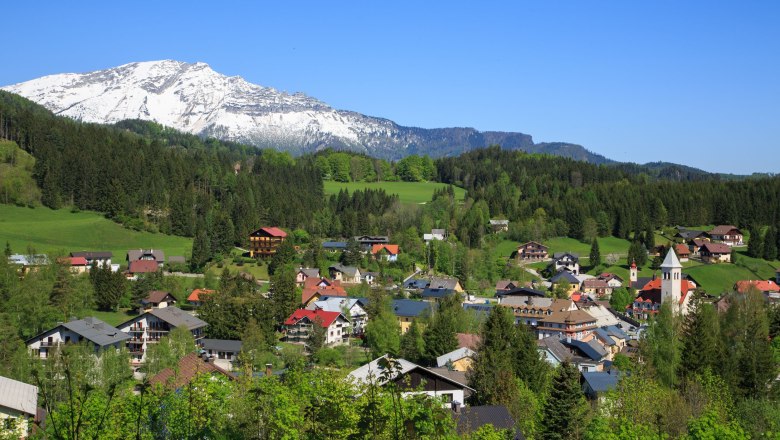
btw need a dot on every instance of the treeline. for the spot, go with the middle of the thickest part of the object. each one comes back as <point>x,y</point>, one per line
<point>550,196</point>
<point>344,166</point>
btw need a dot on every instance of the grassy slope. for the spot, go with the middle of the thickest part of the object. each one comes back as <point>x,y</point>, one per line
<point>408,192</point>
<point>607,245</point>
<point>58,231</point>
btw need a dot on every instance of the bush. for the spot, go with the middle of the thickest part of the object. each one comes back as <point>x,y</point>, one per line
<point>329,357</point>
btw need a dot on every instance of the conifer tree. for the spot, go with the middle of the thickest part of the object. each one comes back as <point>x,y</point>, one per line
<point>285,254</point>
<point>284,293</point>
<point>649,238</point>
<point>595,253</point>
<point>492,372</point>
<point>701,348</point>
<point>770,244</point>
<point>201,248</point>
<point>662,345</point>
<point>383,335</point>
<point>565,409</point>
<point>637,253</point>
<point>756,243</point>
<point>528,364</point>
<point>441,334</point>
<point>413,344</point>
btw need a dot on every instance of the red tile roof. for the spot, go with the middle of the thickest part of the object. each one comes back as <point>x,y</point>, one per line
<point>189,367</point>
<point>652,291</point>
<point>195,295</point>
<point>681,250</point>
<point>685,285</point>
<point>764,286</point>
<point>326,318</point>
<point>274,231</point>
<point>142,266</point>
<point>391,248</point>
<point>333,289</point>
<point>78,261</point>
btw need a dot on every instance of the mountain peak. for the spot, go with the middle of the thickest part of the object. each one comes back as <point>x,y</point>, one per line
<point>194,98</point>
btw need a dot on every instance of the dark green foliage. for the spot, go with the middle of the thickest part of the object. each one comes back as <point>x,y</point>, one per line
<point>285,254</point>
<point>565,411</point>
<point>412,346</point>
<point>770,244</point>
<point>352,254</point>
<point>441,333</point>
<point>595,253</point>
<point>144,284</point>
<point>620,299</point>
<point>755,243</point>
<point>201,249</point>
<point>230,310</point>
<point>637,253</point>
<point>702,349</point>
<point>110,287</point>
<point>493,371</point>
<point>317,336</point>
<point>528,364</point>
<point>285,294</point>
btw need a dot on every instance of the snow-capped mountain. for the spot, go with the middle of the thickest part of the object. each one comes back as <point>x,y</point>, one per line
<point>196,99</point>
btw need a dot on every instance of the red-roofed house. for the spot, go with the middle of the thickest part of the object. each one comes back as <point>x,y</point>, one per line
<point>264,241</point>
<point>77,264</point>
<point>682,252</point>
<point>769,288</point>
<point>196,297</point>
<point>387,252</point>
<point>298,326</point>
<point>727,234</point>
<point>671,288</point>
<point>140,267</point>
<point>316,288</point>
<point>715,253</point>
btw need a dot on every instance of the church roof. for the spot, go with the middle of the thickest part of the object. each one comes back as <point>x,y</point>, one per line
<point>671,261</point>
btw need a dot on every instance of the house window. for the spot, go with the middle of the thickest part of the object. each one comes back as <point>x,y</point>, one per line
<point>448,397</point>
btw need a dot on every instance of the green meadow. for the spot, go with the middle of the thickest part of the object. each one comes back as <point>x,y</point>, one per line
<point>408,192</point>
<point>62,231</point>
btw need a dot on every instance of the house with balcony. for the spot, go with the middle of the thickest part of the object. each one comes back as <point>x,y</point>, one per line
<point>91,330</point>
<point>265,241</point>
<point>101,258</point>
<point>576,325</point>
<point>532,251</point>
<point>153,325</point>
<point>727,234</point>
<point>299,325</point>
<point>565,261</point>
<point>352,308</point>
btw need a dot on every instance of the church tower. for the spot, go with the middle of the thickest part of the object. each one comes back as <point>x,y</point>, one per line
<point>632,275</point>
<point>671,281</point>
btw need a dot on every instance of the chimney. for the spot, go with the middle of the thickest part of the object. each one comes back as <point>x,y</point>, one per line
<point>455,406</point>
<point>268,370</point>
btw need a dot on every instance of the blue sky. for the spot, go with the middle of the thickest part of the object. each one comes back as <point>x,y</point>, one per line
<point>689,82</point>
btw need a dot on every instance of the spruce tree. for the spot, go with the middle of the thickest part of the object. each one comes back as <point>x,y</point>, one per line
<point>637,253</point>
<point>492,372</point>
<point>8,251</point>
<point>702,349</point>
<point>595,253</point>
<point>756,243</point>
<point>201,248</point>
<point>649,238</point>
<point>770,244</point>
<point>413,344</point>
<point>285,254</point>
<point>662,345</point>
<point>285,294</point>
<point>441,334</point>
<point>565,410</point>
<point>528,364</point>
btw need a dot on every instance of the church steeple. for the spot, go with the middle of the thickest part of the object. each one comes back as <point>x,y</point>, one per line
<point>671,281</point>
<point>633,275</point>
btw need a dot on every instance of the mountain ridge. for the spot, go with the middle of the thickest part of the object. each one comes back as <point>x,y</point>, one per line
<point>193,98</point>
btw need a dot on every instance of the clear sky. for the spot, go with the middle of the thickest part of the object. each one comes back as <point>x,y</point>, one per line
<point>693,82</point>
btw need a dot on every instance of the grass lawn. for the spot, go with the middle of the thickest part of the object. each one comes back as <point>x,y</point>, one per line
<point>259,272</point>
<point>718,278</point>
<point>408,192</point>
<point>60,231</point>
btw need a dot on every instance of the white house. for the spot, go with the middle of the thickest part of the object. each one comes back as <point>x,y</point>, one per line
<point>299,325</point>
<point>18,408</point>
<point>101,335</point>
<point>153,325</point>
<point>101,258</point>
<point>411,379</point>
<point>345,274</point>
<point>222,352</point>
<point>436,234</point>
<point>351,307</point>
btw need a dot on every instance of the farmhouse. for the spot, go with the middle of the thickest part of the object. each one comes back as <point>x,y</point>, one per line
<point>156,255</point>
<point>151,326</point>
<point>350,307</point>
<point>715,253</point>
<point>157,299</point>
<point>567,261</point>
<point>727,234</point>
<point>304,274</point>
<point>264,241</point>
<point>367,241</point>
<point>316,288</point>
<point>436,234</point>
<point>683,252</point>
<point>532,251</point>
<point>459,359</point>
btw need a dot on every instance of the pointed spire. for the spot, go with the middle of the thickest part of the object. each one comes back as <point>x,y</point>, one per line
<point>633,264</point>
<point>671,261</point>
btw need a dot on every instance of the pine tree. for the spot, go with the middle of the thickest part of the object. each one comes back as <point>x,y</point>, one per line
<point>755,244</point>
<point>637,253</point>
<point>701,348</point>
<point>201,249</point>
<point>352,254</point>
<point>441,334</point>
<point>528,364</point>
<point>413,344</point>
<point>662,345</point>
<point>492,372</point>
<point>770,244</point>
<point>595,254</point>
<point>317,336</point>
<point>62,291</point>
<point>285,294</point>
<point>8,251</point>
<point>285,254</point>
<point>649,238</point>
<point>565,408</point>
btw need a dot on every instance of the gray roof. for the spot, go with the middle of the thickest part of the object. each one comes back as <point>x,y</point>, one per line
<point>136,254</point>
<point>438,231</point>
<point>373,370</point>
<point>564,274</point>
<point>499,222</point>
<point>178,318</point>
<point>221,345</point>
<point>521,291</point>
<point>93,329</point>
<point>411,308</point>
<point>335,303</point>
<point>590,349</point>
<point>443,283</point>
<point>29,260</point>
<point>18,396</point>
<point>520,301</point>
<point>454,355</point>
<point>436,293</point>
<point>334,244</point>
<point>671,261</point>
<point>601,381</point>
<point>349,270</point>
<point>310,272</point>
<point>93,255</point>
<point>604,336</point>
<point>471,418</point>
<point>559,255</point>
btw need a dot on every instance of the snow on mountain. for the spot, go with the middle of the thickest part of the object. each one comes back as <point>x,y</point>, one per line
<point>192,97</point>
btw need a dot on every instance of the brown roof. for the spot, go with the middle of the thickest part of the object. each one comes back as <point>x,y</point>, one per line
<point>573,316</point>
<point>724,229</point>
<point>468,340</point>
<point>156,296</point>
<point>594,283</point>
<point>189,367</point>
<point>143,266</point>
<point>716,248</point>
<point>682,249</point>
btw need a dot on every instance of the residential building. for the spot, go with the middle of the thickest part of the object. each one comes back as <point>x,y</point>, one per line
<point>499,226</point>
<point>407,310</point>
<point>597,288</point>
<point>596,383</point>
<point>672,287</point>
<point>367,241</point>
<point>151,326</point>
<point>386,252</point>
<point>314,289</point>
<point>28,263</point>
<point>614,281</point>
<point>586,356</point>
<point>769,288</point>
<point>612,338</point>
<point>445,283</point>
<point>574,324</point>
<point>222,352</point>
<point>188,368</point>
<point>92,330</point>
<point>436,234</point>
<point>18,408</point>
<point>155,255</point>
<point>469,419</point>
<point>566,277</point>
<point>304,273</point>
<point>298,326</point>
<point>715,253</point>
<point>264,241</point>
<point>352,308</point>
<point>459,359</point>
<point>683,252</point>
<point>369,277</point>
<point>77,265</point>
<point>196,297</point>
<point>345,274</point>
<point>410,379</point>
<point>566,261</point>
<point>532,251</point>
<point>140,267</point>
<point>518,292</point>
<point>469,340</point>
<point>727,234</point>
<point>506,285</point>
<point>334,246</point>
<point>157,299</point>
<point>695,246</point>
<point>689,234</point>
<point>436,295</point>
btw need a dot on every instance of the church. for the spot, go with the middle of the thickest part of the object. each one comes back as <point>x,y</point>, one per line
<point>673,288</point>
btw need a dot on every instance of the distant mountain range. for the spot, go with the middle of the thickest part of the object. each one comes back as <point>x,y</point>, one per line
<point>193,98</point>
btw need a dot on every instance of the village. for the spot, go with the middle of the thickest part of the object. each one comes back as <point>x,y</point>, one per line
<point>569,313</point>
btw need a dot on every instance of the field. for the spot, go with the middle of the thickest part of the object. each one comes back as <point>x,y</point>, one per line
<point>408,192</point>
<point>60,232</point>
<point>607,245</point>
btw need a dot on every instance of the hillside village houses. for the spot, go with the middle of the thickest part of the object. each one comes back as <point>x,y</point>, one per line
<point>151,326</point>
<point>298,326</point>
<point>92,331</point>
<point>264,241</point>
<point>436,234</point>
<point>567,261</point>
<point>345,274</point>
<point>386,252</point>
<point>352,309</point>
<point>671,288</point>
<point>532,251</point>
<point>19,411</point>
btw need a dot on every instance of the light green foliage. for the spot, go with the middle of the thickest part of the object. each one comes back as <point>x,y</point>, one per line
<point>415,168</point>
<point>662,345</point>
<point>600,428</point>
<point>709,427</point>
<point>383,334</point>
<point>408,192</point>
<point>168,352</point>
<point>17,185</point>
<point>620,299</point>
<point>488,432</point>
